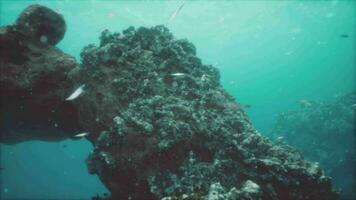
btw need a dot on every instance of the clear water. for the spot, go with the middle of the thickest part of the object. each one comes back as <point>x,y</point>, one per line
<point>270,54</point>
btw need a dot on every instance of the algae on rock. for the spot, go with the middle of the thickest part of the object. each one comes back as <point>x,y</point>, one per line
<point>171,135</point>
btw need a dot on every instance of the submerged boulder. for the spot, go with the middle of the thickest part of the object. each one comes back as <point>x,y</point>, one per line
<point>35,79</point>
<point>41,24</point>
<point>163,127</point>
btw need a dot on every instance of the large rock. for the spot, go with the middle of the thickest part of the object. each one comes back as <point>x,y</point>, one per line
<point>35,79</point>
<point>163,127</point>
<point>42,24</point>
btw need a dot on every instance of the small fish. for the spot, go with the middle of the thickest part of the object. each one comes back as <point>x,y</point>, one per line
<point>64,145</point>
<point>246,105</point>
<point>232,82</point>
<point>1,168</point>
<point>76,93</point>
<point>173,16</point>
<point>305,103</point>
<point>81,135</point>
<point>178,74</point>
<point>288,53</point>
<point>280,138</point>
<point>344,35</point>
<point>111,14</point>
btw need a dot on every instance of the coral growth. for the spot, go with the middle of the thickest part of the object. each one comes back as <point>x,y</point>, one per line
<point>164,127</point>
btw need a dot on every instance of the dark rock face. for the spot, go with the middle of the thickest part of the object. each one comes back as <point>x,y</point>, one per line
<point>161,124</point>
<point>325,132</point>
<point>35,80</point>
<point>165,127</point>
<point>42,24</point>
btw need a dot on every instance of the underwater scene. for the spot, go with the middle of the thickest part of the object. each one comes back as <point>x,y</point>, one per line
<point>177,100</point>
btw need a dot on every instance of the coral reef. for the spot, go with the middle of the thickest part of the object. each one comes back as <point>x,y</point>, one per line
<point>34,79</point>
<point>161,124</point>
<point>325,133</point>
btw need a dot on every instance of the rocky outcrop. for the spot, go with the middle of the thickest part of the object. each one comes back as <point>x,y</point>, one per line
<point>161,124</point>
<point>164,127</point>
<point>35,80</point>
<point>325,133</point>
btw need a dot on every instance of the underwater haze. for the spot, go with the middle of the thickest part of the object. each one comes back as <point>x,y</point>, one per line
<point>270,54</point>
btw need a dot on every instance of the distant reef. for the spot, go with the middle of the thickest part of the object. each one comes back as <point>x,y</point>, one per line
<point>161,124</point>
<point>325,133</point>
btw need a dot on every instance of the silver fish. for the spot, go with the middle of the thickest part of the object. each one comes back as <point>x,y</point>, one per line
<point>178,74</point>
<point>173,16</point>
<point>76,93</point>
<point>280,138</point>
<point>305,103</point>
<point>81,135</point>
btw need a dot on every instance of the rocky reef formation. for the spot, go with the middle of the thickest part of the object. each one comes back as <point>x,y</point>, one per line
<point>325,133</point>
<point>34,79</point>
<point>161,124</point>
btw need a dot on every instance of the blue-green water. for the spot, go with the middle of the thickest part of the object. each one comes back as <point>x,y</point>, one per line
<point>270,54</point>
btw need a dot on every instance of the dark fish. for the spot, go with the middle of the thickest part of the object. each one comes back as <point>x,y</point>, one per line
<point>1,168</point>
<point>245,105</point>
<point>64,145</point>
<point>344,35</point>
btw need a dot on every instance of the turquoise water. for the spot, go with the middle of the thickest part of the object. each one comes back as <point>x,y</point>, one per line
<point>270,54</point>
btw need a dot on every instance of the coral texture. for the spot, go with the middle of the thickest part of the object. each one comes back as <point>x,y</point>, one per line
<point>165,127</point>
